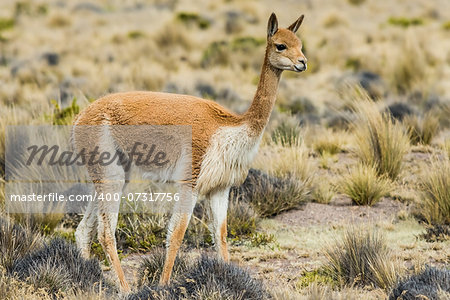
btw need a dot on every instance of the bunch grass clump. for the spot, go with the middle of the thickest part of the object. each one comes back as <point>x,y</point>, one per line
<point>270,195</point>
<point>435,204</point>
<point>364,186</point>
<point>16,241</point>
<point>151,267</point>
<point>361,258</point>
<point>242,219</point>
<point>327,142</point>
<point>422,130</point>
<point>286,155</point>
<point>140,232</point>
<point>381,142</point>
<point>323,192</point>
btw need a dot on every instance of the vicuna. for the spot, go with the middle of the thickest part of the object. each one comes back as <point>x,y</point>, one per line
<point>223,146</point>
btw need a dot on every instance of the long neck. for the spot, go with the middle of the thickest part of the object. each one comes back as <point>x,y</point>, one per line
<point>259,111</point>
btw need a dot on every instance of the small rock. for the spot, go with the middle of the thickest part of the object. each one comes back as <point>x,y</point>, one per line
<point>51,58</point>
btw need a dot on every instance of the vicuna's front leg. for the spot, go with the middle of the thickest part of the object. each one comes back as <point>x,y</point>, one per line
<point>178,224</point>
<point>218,208</point>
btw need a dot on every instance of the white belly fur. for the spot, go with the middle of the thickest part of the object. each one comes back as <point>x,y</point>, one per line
<point>227,159</point>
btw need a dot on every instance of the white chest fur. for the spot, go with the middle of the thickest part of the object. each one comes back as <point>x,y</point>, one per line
<point>227,159</point>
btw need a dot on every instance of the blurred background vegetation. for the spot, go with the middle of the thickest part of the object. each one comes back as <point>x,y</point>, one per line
<point>364,131</point>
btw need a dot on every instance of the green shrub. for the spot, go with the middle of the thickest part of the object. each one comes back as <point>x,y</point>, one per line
<point>64,116</point>
<point>217,53</point>
<point>262,239</point>
<point>246,43</point>
<point>405,22</point>
<point>286,135</point>
<point>446,25</point>
<point>317,276</point>
<point>361,258</point>
<point>135,34</point>
<point>381,142</point>
<point>364,186</point>
<point>193,18</point>
<point>356,2</point>
<point>6,24</point>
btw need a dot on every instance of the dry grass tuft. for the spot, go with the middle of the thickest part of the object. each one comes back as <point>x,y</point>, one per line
<point>364,186</point>
<point>323,192</point>
<point>402,71</point>
<point>381,142</point>
<point>15,241</point>
<point>362,258</point>
<point>269,195</point>
<point>285,156</point>
<point>242,219</point>
<point>422,130</point>
<point>435,204</point>
<point>151,267</point>
<point>327,141</point>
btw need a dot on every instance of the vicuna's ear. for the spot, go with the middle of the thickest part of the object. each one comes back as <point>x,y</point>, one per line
<point>272,26</point>
<point>296,25</point>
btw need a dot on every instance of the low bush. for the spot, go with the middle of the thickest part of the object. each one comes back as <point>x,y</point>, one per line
<point>207,278</point>
<point>400,110</point>
<point>364,186</point>
<point>432,284</point>
<point>361,258</point>
<point>436,233</point>
<point>190,18</point>
<point>405,22</point>
<point>58,266</point>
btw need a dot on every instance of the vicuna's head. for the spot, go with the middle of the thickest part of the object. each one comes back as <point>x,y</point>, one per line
<point>284,47</point>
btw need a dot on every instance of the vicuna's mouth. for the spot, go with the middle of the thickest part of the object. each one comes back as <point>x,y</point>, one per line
<point>300,68</point>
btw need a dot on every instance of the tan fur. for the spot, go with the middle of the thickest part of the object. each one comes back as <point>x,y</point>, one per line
<point>223,143</point>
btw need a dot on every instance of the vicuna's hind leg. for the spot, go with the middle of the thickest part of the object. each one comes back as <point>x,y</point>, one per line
<point>179,221</point>
<point>218,227</point>
<point>87,229</point>
<point>108,212</point>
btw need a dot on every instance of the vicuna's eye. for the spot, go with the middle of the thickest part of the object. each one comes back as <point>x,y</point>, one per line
<point>280,47</point>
